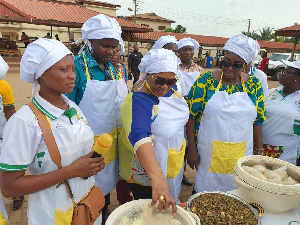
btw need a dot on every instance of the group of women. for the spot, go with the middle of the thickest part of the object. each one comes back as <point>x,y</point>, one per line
<point>226,114</point>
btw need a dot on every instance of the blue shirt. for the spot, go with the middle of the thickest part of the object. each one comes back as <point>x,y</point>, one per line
<point>95,72</point>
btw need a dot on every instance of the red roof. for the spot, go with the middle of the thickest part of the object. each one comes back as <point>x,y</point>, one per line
<point>293,31</point>
<point>207,40</point>
<point>58,14</point>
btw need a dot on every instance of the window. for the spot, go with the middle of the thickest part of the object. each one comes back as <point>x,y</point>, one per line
<point>161,27</point>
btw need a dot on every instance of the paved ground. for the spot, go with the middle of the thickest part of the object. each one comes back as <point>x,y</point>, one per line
<point>22,93</point>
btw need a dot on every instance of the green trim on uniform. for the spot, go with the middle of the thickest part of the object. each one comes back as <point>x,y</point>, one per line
<point>40,154</point>
<point>40,163</point>
<point>6,105</point>
<point>296,127</point>
<point>13,168</point>
<point>41,108</point>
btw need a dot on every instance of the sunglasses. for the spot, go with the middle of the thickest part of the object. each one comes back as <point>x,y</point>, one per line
<point>235,66</point>
<point>159,81</point>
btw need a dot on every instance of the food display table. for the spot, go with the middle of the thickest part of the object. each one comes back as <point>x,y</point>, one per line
<point>291,217</point>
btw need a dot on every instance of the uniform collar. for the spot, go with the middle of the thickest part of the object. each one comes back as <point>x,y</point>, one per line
<point>47,108</point>
<point>280,90</point>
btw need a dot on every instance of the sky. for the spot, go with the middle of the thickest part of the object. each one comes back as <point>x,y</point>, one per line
<point>222,18</point>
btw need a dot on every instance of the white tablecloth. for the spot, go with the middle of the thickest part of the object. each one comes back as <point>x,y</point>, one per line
<point>278,219</point>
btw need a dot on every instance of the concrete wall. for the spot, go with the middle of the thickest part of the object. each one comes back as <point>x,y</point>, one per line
<point>152,24</point>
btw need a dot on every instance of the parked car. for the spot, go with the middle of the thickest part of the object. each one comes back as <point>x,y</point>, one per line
<point>276,67</point>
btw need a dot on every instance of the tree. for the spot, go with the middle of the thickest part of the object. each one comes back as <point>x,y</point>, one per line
<point>252,34</point>
<point>266,34</point>
<point>178,29</point>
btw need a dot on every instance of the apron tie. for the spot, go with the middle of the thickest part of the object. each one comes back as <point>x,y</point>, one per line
<point>242,83</point>
<point>70,113</point>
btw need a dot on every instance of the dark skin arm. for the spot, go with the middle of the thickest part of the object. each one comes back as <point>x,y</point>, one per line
<point>17,183</point>
<point>159,184</point>
<point>257,130</point>
<point>193,156</point>
<point>9,111</point>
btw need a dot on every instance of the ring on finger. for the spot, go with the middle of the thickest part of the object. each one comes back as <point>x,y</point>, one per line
<point>161,198</point>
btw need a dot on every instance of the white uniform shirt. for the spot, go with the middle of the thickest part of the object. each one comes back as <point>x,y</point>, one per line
<point>261,76</point>
<point>26,148</point>
<point>281,127</point>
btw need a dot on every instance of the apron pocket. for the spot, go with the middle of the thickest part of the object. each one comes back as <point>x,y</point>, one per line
<point>175,161</point>
<point>111,154</point>
<point>3,220</point>
<point>225,155</point>
<point>273,151</point>
<point>63,218</point>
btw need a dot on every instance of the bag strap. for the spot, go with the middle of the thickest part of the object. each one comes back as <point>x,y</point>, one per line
<point>50,143</point>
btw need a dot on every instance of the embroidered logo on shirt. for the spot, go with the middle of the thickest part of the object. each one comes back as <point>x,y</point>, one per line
<point>273,97</point>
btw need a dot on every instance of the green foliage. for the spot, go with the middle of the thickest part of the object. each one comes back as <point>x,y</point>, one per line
<point>178,29</point>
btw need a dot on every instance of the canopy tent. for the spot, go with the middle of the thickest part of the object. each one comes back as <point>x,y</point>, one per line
<point>293,31</point>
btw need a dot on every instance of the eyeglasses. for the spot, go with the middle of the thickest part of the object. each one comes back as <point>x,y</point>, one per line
<point>235,66</point>
<point>159,81</point>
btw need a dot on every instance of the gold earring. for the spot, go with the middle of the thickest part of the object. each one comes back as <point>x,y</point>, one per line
<point>295,80</point>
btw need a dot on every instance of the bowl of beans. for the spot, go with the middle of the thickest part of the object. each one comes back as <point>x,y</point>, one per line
<point>222,208</point>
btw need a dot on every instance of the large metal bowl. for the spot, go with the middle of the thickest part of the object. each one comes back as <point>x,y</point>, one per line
<point>195,196</point>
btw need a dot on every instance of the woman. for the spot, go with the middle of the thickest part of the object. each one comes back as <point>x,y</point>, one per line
<point>282,128</point>
<point>50,64</point>
<point>152,141</point>
<point>224,105</point>
<point>264,62</point>
<point>171,43</point>
<point>190,71</point>
<point>251,70</point>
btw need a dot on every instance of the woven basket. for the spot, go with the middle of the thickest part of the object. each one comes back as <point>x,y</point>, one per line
<point>281,189</point>
<point>134,208</point>
<point>272,203</point>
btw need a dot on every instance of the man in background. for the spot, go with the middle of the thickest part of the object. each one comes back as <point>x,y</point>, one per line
<point>25,39</point>
<point>134,60</point>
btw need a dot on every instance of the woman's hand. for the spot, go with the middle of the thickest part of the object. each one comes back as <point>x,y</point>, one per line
<point>193,158</point>
<point>161,193</point>
<point>86,166</point>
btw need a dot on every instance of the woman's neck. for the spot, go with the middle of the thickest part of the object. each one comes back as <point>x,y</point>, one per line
<point>290,89</point>
<point>54,99</point>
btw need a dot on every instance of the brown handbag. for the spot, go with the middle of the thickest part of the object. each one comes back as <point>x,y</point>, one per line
<point>89,208</point>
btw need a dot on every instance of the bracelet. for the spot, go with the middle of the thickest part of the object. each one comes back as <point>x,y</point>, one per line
<point>259,151</point>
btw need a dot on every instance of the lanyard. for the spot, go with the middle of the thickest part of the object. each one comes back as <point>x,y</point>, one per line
<point>242,82</point>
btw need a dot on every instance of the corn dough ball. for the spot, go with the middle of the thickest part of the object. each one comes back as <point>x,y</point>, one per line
<point>259,168</point>
<point>282,172</point>
<point>254,172</point>
<point>289,181</point>
<point>125,221</point>
<point>271,174</point>
<point>138,222</point>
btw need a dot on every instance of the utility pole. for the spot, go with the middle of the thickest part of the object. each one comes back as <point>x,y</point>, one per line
<point>134,10</point>
<point>249,27</point>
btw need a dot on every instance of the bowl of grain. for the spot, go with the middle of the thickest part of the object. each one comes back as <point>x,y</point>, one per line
<point>222,208</point>
<point>272,183</point>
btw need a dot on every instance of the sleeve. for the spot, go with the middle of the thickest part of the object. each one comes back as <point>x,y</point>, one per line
<point>141,123</point>
<point>260,104</point>
<point>78,91</point>
<point>6,93</point>
<point>197,95</point>
<point>19,146</point>
<point>129,61</point>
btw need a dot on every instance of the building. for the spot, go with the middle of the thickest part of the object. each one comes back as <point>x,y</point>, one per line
<point>153,21</point>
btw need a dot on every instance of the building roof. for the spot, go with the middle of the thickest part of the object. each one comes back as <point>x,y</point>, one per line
<point>293,31</point>
<point>58,14</point>
<point>86,2</point>
<point>209,41</point>
<point>152,17</point>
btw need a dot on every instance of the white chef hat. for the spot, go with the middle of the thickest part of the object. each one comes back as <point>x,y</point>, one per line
<point>121,42</point>
<point>188,42</point>
<point>243,46</point>
<point>163,40</point>
<point>100,27</point>
<point>3,68</point>
<point>39,56</point>
<point>295,64</point>
<point>159,61</point>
